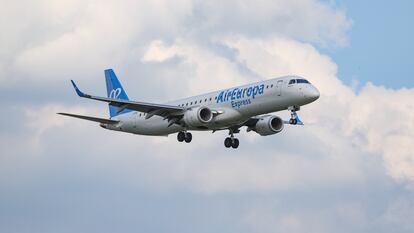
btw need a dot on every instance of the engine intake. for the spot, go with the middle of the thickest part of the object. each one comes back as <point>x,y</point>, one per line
<point>199,116</point>
<point>269,125</point>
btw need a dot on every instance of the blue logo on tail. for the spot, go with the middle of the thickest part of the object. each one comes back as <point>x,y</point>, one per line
<point>115,91</point>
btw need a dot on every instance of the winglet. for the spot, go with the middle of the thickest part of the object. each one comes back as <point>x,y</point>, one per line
<point>81,94</point>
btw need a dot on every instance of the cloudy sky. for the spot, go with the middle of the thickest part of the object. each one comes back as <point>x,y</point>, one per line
<point>350,169</point>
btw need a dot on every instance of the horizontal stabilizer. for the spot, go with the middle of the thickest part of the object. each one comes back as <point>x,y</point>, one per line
<point>89,118</point>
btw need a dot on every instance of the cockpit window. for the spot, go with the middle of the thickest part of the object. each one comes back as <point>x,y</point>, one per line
<point>292,81</point>
<point>301,81</point>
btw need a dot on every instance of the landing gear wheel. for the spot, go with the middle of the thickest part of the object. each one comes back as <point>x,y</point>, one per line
<point>228,142</point>
<point>188,137</point>
<point>181,136</point>
<point>235,143</point>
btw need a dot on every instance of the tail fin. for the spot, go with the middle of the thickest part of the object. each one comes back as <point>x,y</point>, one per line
<point>115,91</point>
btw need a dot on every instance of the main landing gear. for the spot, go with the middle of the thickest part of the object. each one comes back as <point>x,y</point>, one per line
<point>232,141</point>
<point>184,136</point>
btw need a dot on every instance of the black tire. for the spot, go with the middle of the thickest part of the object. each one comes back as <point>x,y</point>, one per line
<point>181,136</point>
<point>228,142</point>
<point>188,137</point>
<point>291,121</point>
<point>235,143</point>
<point>295,121</point>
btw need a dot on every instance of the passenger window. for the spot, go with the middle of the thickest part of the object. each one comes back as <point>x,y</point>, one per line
<point>267,86</point>
<point>210,98</point>
<point>292,81</point>
<point>271,86</point>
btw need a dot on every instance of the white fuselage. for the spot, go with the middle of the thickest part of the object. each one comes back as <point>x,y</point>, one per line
<point>234,106</point>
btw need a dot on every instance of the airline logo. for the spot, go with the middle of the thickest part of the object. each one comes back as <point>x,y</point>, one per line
<point>237,95</point>
<point>114,94</point>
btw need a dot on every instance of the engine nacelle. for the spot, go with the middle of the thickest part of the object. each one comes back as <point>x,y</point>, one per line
<point>199,116</point>
<point>269,125</point>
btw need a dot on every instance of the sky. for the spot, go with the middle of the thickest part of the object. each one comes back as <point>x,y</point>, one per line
<point>380,48</point>
<point>349,169</point>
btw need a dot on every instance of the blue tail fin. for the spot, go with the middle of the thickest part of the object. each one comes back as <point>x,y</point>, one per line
<point>115,91</point>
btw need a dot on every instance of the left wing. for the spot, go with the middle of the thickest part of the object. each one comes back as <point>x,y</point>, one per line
<point>149,108</point>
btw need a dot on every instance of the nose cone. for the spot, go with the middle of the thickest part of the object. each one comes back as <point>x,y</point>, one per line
<point>313,94</point>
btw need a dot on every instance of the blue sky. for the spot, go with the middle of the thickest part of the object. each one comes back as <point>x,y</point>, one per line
<point>349,169</point>
<point>381,44</point>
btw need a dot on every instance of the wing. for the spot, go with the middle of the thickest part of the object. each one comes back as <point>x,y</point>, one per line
<point>251,122</point>
<point>89,118</point>
<point>149,108</point>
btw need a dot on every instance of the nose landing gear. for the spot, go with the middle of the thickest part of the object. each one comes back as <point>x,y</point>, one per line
<point>293,121</point>
<point>294,118</point>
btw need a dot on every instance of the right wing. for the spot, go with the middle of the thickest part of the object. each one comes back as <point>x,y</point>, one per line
<point>89,118</point>
<point>149,108</point>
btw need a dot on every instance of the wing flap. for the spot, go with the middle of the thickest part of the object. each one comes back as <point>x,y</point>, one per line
<point>89,118</point>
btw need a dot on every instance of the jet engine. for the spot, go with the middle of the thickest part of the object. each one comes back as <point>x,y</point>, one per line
<point>269,125</point>
<point>198,116</point>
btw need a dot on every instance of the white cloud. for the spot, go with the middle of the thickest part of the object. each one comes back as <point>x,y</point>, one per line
<point>202,63</point>
<point>197,46</point>
<point>81,36</point>
<point>87,35</point>
<point>306,20</point>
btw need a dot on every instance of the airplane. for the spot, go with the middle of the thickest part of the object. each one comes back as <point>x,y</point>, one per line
<point>228,109</point>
